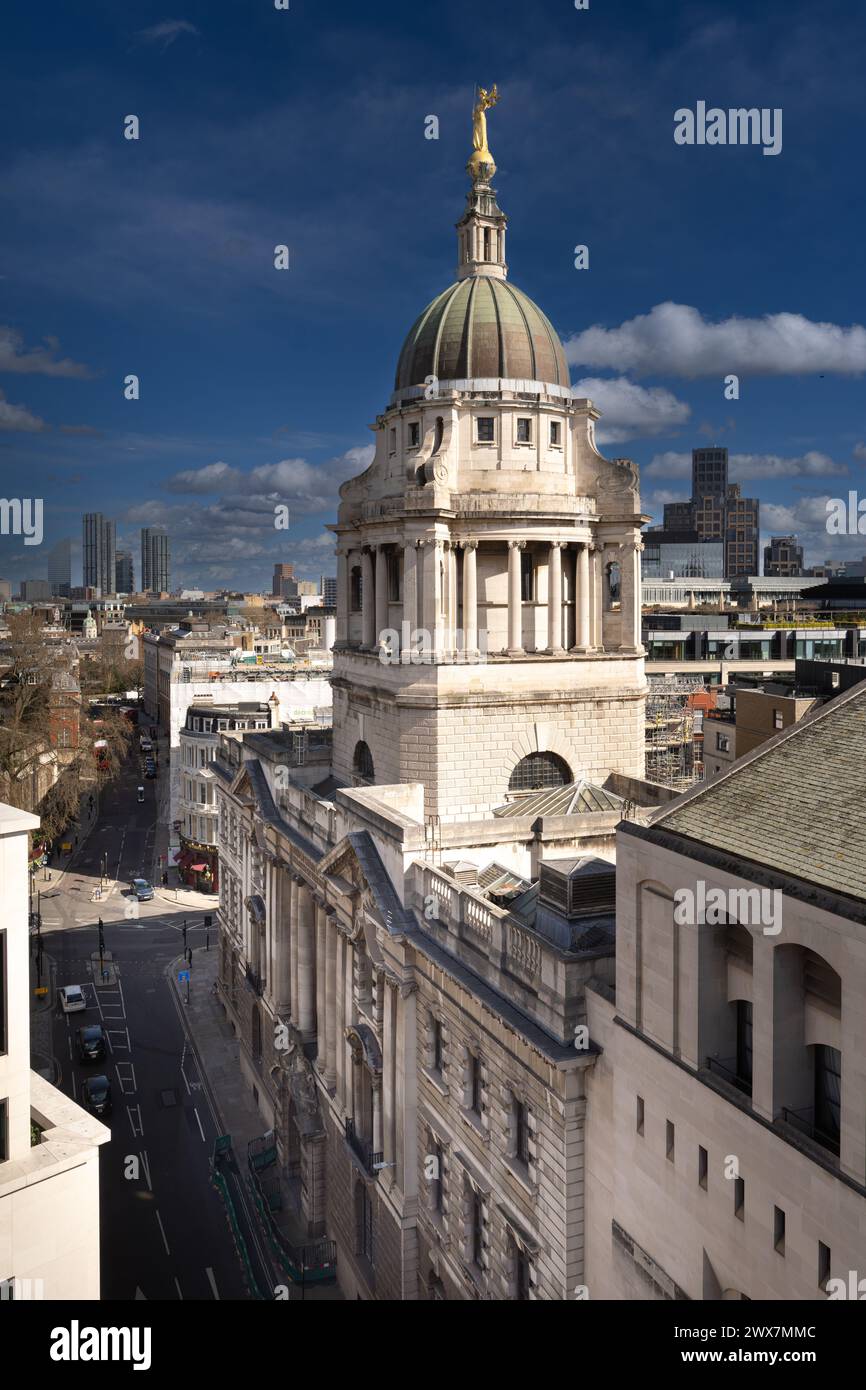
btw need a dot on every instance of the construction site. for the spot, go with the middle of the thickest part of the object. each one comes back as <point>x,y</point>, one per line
<point>674,730</point>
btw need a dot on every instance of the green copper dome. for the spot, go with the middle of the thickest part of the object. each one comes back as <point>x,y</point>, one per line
<point>482,326</point>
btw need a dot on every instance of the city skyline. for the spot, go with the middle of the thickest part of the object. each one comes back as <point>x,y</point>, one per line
<point>237,362</point>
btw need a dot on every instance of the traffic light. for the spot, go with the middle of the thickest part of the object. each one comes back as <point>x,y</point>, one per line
<point>101,937</point>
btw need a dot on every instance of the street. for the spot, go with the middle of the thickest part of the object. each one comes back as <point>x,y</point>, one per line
<point>164,1229</point>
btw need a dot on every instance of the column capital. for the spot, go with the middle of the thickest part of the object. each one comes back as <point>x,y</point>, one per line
<point>468,545</point>
<point>517,545</point>
<point>557,545</point>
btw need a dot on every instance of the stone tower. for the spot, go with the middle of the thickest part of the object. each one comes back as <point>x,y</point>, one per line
<point>488,576</point>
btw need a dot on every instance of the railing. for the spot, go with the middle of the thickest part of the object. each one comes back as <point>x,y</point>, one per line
<point>729,1073</point>
<point>803,1120</point>
<point>464,913</point>
<point>370,1157</point>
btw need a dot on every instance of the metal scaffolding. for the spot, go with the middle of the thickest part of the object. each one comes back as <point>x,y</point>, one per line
<point>671,757</point>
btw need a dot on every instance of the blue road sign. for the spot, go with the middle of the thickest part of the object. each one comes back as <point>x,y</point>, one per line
<point>182,975</point>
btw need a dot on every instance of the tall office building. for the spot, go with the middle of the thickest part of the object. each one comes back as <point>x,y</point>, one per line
<point>329,590</point>
<point>154,561</point>
<point>60,569</point>
<point>784,557</point>
<point>285,585</point>
<point>100,553</point>
<point>716,512</point>
<point>124,577</point>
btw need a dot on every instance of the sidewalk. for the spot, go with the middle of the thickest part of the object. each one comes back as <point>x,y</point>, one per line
<point>76,836</point>
<point>218,1055</point>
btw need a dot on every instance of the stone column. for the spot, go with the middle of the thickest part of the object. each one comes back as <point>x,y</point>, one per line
<point>597,580</point>
<point>306,963</point>
<point>381,594</point>
<point>451,637</point>
<point>343,596</point>
<point>470,597</point>
<point>515,611</point>
<point>368,611</point>
<point>293,946</point>
<point>281,988</point>
<point>554,597</point>
<point>388,1072</point>
<point>582,598</point>
<point>410,588</point>
<point>332,936</point>
<point>629,595</point>
<point>340,1020</point>
<point>376,1081</point>
<point>321,929</point>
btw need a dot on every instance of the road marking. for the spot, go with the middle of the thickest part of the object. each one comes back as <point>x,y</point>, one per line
<point>74,1088</point>
<point>209,1273</point>
<point>127,1083</point>
<point>177,1286</point>
<point>146,1166</point>
<point>201,1131</point>
<point>162,1232</point>
<point>137,1110</point>
<point>69,1040</point>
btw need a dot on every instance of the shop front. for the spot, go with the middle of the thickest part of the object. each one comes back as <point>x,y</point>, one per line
<point>198,865</point>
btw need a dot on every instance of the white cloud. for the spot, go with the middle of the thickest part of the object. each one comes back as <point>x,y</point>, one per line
<point>859,450</point>
<point>40,360</point>
<point>18,417</point>
<point>628,410</point>
<point>741,467</point>
<point>166,31</point>
<point>213,477</point>
<point>676,340</point>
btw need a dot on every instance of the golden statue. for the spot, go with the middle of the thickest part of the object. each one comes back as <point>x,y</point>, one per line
<point>481,161</point>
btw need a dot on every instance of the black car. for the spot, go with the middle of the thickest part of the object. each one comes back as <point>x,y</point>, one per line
<point>150,770</point>
<point>91,1043</point>
<point>97,1093</point>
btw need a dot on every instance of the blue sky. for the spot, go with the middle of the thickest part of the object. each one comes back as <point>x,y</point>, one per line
<point>306,127</point>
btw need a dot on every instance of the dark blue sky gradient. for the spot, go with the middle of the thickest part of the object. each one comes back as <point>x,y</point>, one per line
<point>307,127</point>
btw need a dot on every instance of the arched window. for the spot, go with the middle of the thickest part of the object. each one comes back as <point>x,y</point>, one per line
<point>363,762</point>
<point>538,771</point>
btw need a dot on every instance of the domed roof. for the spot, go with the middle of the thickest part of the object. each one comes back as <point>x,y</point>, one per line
<point>482,326</point>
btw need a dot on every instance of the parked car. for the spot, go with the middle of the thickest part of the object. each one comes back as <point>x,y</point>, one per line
<point>72,999</point>
<point>145,745</point>
<point>142,890</point>
<point>150,771</point>
<point>97,1094</point>
<point>91,1043</point>
<point>141,793</point>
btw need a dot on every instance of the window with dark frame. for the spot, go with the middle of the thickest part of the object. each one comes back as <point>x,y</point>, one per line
<point>486,429</point>
<point>4,1130</point>
<point>527,577</point>
<point>474,1083</point>
<point>639,1117</point>
<point>538,772</point>
<point>825,1256</point>
<point>393,563</point>
<point>524,430</point>
<point>355,594</point>
<point>521,1273</point>
<point>555,433</point>
<point>437,1045</point>
<point>521,1132</point>
<point>414,434</point>
<point>477,1228</point>
<point>740,1199</point>
<point>670,1135</point>
<point>703,1166</point>
<point>778,1230</point>
<point>436,1151</point>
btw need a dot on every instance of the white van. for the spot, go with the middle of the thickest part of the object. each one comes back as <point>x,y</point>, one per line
<point>72,999</point>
